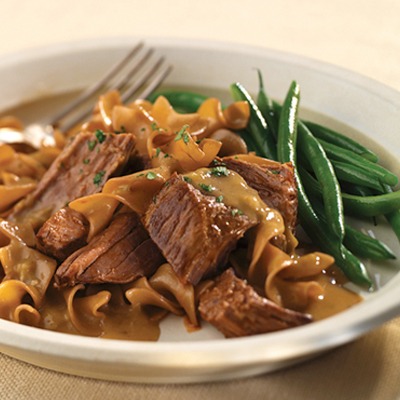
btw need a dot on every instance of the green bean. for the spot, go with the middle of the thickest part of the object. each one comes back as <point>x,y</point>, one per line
<point>358,243</point>
<point>266,107</point>
<point>336,153</point>
<point>362,206</point>
<point>358,176</point>
<point>360,190</point>
<point>366,246</point>
<point>371,206</point>
<point>393,217</point>
<point>325,174</point>
<point>352,267</point>
<point>181,100</point>
<point>336,138</point>
<point>343,151</point>
<point>257,127</point>
<point>288,121</point>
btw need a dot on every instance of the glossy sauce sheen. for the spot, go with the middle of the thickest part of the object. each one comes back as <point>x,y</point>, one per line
<point>334,300</point>
<point>237,194</point>
<point>234,191</point>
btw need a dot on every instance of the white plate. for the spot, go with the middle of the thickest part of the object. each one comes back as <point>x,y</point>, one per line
<point>336,97</point>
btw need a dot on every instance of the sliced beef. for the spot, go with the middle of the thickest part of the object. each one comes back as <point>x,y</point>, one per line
<point>236,310</point>
<point>63,233</point>
<point>81,169</point>
<point>119,254</point>
<point>194,232</point>
<point>274,182</point>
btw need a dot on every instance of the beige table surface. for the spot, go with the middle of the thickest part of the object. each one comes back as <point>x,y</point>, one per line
<point>363,36</point>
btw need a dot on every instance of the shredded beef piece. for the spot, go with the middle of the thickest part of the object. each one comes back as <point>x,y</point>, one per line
<point>119,254</point>
<point>63,233</point>
<point>81,169</point>
<point>194,232</point>
<point>275,184</point>
<point>236,310</point>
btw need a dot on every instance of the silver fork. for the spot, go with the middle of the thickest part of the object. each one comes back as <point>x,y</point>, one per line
<point>136,76</point>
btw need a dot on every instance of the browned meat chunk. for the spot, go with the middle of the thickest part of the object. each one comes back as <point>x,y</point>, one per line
<point>194,232</point>
<point>63,233</point>
<point>119,254</point>
<point>81,169</point>
<point>275,184</point>
<point>235,309</point>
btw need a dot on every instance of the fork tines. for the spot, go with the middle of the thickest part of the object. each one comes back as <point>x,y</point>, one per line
<point>136,75</point>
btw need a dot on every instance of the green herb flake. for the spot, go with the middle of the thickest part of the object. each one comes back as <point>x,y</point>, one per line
<point>182,134</point>
<point>219,199</point>
<point>101,137</point>
<point>151,175</point>
<point>187,179</point>
<point>220,171</point>
<point>275,172</point>
<point>154,127</point>
<point>158,150</point>
<point>91,144</point>
<point>206,188</point>
<point>122,129</point>
<point>166,155</point>
<point>86,161</point>
<point>99,177</point>
<point>236,212</point>
<point>216,162</point>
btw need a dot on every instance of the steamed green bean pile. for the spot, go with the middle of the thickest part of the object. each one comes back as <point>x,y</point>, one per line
<point>335,175</point>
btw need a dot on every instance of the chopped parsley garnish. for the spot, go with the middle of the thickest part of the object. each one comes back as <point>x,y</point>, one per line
<point>91,144</point>
<point>158,150</point>
<point>154,127</point>
<point>151,175</point>
<point>182,134</point>
<point>187,179</point>
<point>219,171</point>
<point>86,161</point>
<point>219,199</point>
<point>275,171</point>
<point>122,129</point>
<point>101,137</point>
<point>166,155</point>
<point>186,138</point>
<point>236,211</point>
<point>206,188</point>
<point>98,177</point>
<point>217,162</point>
